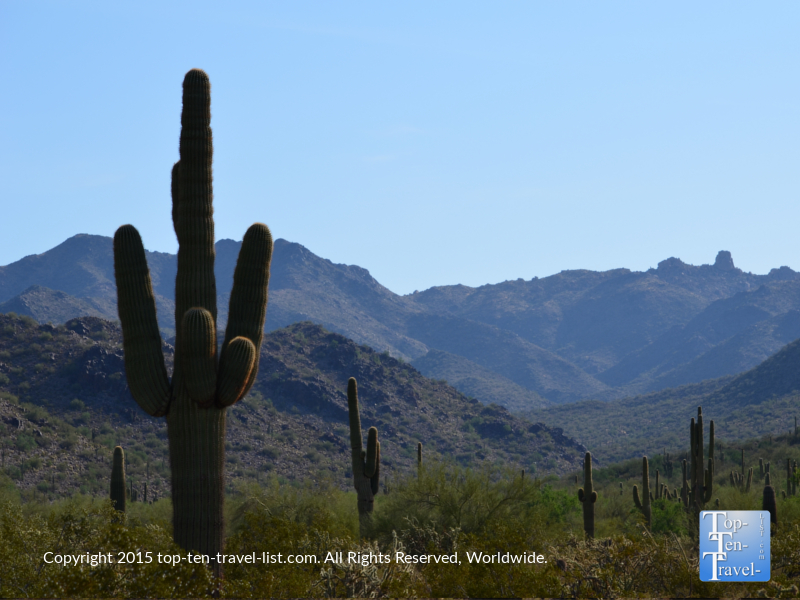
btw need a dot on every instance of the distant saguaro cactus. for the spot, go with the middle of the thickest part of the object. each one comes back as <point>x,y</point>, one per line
<point>366,465</point>
<point>588,496</point>
<point>203,384</point>
<point>419,458</point>
<point>770,504</point>
<point>702,477</point>
<point>643,504</point>
<point>118,491</point>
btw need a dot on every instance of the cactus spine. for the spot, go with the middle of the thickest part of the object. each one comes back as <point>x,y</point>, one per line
<point>588,496</point>
<point>203,385</point>
<point>643,504</point>
<point>118,491</point>
<point>366,465</point>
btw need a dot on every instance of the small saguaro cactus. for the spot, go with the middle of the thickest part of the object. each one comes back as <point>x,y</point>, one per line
<point>770,504</point>
<point>419,459</point>
<point>118,491</point>
<point>588,496</point>
<point>366,465</point>
<point>204,384</point>
<point>643,504</point>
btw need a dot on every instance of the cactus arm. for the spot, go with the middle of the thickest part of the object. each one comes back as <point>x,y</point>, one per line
<point>376,477</point>
<point>372,452</point>
<point>235,372</point>
<point>593,497</point>
<point>247,309</point>
<point>195,286</point>
<point>658,485</point>
<point>141,340</point>
<point>636,499</point>
<point>199,355</point>
<point>581,495</point>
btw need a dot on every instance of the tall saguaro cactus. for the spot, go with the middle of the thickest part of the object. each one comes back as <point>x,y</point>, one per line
<point>702,477</point>
<point>366,465</point>
<point>203,384</point>
<point>118,491</point>
<point>588,496</point>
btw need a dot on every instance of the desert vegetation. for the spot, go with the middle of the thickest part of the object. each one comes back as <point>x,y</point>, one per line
<point>442,509</point>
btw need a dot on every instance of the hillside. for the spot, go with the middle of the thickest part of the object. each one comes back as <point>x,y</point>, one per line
<point>478,382</point>
<point>64,404</point>
<point>762,401</point>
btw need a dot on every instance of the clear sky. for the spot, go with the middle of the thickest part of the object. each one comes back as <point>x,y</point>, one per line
<point>430,142</point>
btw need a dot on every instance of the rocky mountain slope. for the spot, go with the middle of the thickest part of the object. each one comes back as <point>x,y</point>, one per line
<point>64,404</point>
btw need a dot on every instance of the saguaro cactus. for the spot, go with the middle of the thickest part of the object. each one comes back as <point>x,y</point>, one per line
<point>366,465</point>
<point>702,478</point>
<point>118,490</point>
<point>643,504</point>
<point>769,503</point>
<point>588,496</point>
<point>419,458</point>
<point>203,385</point>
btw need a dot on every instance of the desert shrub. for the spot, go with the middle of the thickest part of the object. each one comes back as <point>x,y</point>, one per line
<point>95,529</point>
<point>453,497</point>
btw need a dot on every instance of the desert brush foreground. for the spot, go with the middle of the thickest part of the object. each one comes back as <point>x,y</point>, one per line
<point>441,510</point>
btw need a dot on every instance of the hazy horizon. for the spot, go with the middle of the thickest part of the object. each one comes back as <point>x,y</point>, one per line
<point>430,144</point>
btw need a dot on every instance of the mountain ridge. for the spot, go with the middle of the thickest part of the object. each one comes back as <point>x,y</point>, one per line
<point>574,335</point>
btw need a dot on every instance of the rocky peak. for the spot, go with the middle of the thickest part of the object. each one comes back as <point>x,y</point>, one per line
<point>724,261</point>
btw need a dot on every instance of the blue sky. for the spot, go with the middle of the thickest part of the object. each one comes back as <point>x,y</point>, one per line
<point>430,142</point>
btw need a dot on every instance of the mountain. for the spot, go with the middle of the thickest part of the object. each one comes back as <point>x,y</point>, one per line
<point>65,403</point>
<point>719,322</point>
<point>507,354</point>
<point>570,336</point>
<point>46,305</point>
<point>478,382</point>
<point>762,401</point>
